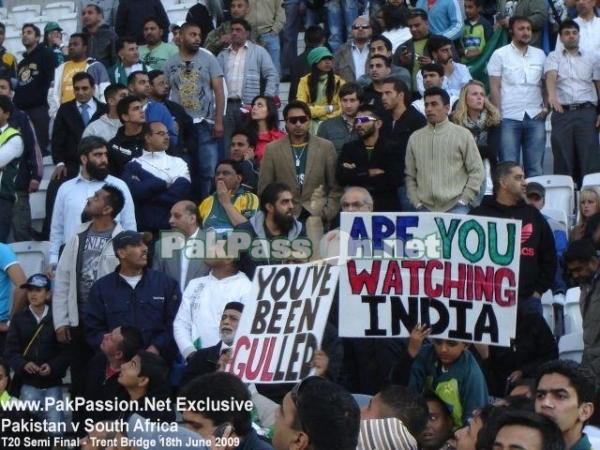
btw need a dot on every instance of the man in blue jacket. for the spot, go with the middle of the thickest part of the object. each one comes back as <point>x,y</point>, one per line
<point>134,295</point>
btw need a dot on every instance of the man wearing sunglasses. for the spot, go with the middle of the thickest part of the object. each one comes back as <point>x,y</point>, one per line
<point>352,58</point>
<point>305,163</point>
<point>371,162</point>
<point>317,415</point>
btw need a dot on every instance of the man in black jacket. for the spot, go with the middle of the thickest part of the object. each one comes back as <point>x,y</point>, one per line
<point>538,254</point>
<point>101,37</point>
<point>129,141</point>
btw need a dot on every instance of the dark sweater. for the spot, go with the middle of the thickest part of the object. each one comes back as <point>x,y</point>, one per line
<point>35,74</point>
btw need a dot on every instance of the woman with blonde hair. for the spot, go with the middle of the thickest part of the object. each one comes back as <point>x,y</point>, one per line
<point>320,88</point>
<point>589,204</point>
<point>476,113</point>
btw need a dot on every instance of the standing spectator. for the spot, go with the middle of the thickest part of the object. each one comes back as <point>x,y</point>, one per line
<point>11,279</point>
<point>535,10</point>
<point>155,52</point>
<point>106,126</point>
<point>8,61</point>
<point>477,31</point>
<point>268,18</point>
<point>340,130</point>
<point>340,15</point>
<point>31,168</point>
<point>201,16</point>
<point>101,37</point>
<point>394,25</point>
<point>128,143</point>
<point>589,204</point>
<point>371,162</point>
<point>477,114</point>
<point>131,15</point>
<point>573,84</point>
<point>400,121</point>
<point>314,37</point>
<point>196,81</point>
<point>320,88</point>
<point>380,45</point>
<point>11,150</point>
<point>156,180</point>
<point>444,174</point>
<point>445,17</point>
<point>33,352</point>
<point>128,61</point>
<point>35,73</point>
<point>350,61</point>
<point>433,76</point>
<point>249,72</point>
<point>62,90</point>
<point>516,72</point>
<point>305,163</point>
<point>291,29</point>
<point>538,256</point>
<point>153,298</point>
<point>589,26</point>
<point>53,35</point>
<point>108,9</point>
<point>264,119</point>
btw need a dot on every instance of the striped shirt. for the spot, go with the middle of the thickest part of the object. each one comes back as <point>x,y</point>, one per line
<point>576,72</point>
<point>235,71</point>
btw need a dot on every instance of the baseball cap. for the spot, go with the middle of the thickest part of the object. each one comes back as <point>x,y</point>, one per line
<point>176,25</point>
<point>38,280</point>
<point>535,189</point>
<point>52,26</point>
<point>129,237</point>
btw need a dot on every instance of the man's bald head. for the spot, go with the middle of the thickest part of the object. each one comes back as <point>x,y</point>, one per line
<point>185,217</point>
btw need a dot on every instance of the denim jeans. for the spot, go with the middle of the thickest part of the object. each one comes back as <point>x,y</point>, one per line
<point>340,15</point>
<point>289,34</point>
<point>30,393</point>
<point>204,161</point>
<point>528,135</point>
<point>274,49</point>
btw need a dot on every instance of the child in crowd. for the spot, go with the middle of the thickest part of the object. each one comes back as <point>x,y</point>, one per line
<point>477,31</point>
<point>38,359</point>
<point>449,370</point>
<point>5,397</point>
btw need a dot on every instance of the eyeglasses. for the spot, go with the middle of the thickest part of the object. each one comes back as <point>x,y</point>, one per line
<point>296,119</point>
<point>361,27</point>
<point>364,119</point>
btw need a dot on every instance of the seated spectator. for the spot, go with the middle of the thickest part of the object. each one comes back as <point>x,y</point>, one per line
<point>118,347</point>
<point>129,142</point>
<point>401,403</point>
<point>476,33</point>
<point>380,45</point>
<point>5,396</point>
<point>476,113</point>
<point>33,352</point>
<point>144,378</point>
<point>433,76</point>
<point>154,53</point>
<point>314,36</point>
<point>385,433</point>
<point>317,415</point>
<point>230,204</point>
<point>196,324</point>
<point>101,37</point>
<point>439,424</point>
<point>8,61</point>
<point>221,387</point>
<point>264,120</point>
<point>379,70</point>
<point>320,88</point>
<point>589,204</point>
<point>53,42</point>
<point>211,359</point>
<point>128,61</point>
<point>448,369</point>
<point>107,125</point>
<point>243,146</point>
<point>524,429</point>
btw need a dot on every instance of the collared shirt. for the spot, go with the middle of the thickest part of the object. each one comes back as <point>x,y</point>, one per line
<point>521,80</point>
<point>44,314</point>
<point>92,107</point>
<point>235,71</point>
<point>359,58</point>
<point>589,34</point>
<point>451,84</point>
<point>185,262</point>
<point>576,72</point>
<point>583,443</point>
<point>70,201</point>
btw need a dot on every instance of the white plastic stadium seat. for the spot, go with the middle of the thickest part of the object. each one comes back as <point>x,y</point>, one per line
<point>573,320</point>
<point>13,44</point>
<point>178,12</point>
<point>32,255</point>
<point>570,347</point>
<point>560,193</point>
<point>24,13</point>
<point>558,215</point>
<point>362,399</point>
<point>68,23</point>
<point>3,13</point>
<point>58,9</point>
<point>591,179</point>
<point>48,168</point>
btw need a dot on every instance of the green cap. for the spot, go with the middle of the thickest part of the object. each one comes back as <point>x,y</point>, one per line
<point>52,26</point>
<point>317,54</point>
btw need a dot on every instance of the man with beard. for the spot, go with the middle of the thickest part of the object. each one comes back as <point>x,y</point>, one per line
<point>275,218</point>
<point>155,52</point>
<point>73,194</point>
<point>152,298</point>
<point>71,119</point>
<point>196,81</point>
<point>101,37</point>
<point>87,256</point>
<point>371,162</point>
<point>379,69</point>
<point>350,62</point>
<point>210,359</point>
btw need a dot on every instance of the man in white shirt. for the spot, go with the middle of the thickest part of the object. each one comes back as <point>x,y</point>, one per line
<point>573,84</point>
<point>156,180</point>
<point>589,26</point>
<point>516,72</point>
<point>73,195</point>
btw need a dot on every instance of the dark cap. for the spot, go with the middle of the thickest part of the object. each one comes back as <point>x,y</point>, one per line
<point>128,237</point>
<point>52,26</point>
<point>535,189</point>
<point>237,306</point>
<point>39,280</point>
